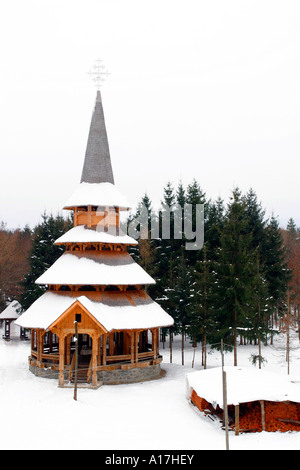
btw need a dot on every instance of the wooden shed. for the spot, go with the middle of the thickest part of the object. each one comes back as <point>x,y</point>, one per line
<point>258,400</point>
<point>9,315</point>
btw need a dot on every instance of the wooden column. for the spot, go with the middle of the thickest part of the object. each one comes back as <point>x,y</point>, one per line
<point>155,340</point>
<point>32,339</point>
<point>104,341</point>
<point>99,351</point>
<point>50,341</point>
<point>132,342</point>
<point>154,332</point>
<point>40,344</point>
<point>68,349</point>
<point>117,221</point>
<point>237,419</point>
<point>75,216</point>
<point>94,359</point>
<point>61,339</point>
<point>136,346</point>
<point>89,216</point>
<point>111,344</point>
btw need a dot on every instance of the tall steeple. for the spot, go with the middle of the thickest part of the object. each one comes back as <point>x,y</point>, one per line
<point>97,166</point>
<point>96,286</point>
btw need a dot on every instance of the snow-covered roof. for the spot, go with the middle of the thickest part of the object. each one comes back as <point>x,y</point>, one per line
<point>244,384</point>
<point>97,194</point>
<point>115,311</point>
<point>95,268</point>
<point>82,234</point>
<point>10,313</point>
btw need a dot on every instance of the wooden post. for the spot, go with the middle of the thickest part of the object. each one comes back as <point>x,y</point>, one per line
<point>171,346</point>
<point>111,344</point>
<point>225,408</point>
<point>50,341</point>
<point>61,340</point>
<point>263,420</point>
<point>237,419</point>
<point>100,339</point>
<point>89,216</point>
<point>32,339</point>
<point>94,360</point>
<point>75,216</point>
<point>104,341</point>
<point>40,345</point>
<point>76,360</point>
<point>132,347</point>
<point>136,346</point>
<point>155,339</point>
<point>68,350</point>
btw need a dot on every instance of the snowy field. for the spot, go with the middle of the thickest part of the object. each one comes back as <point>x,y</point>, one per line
<point>155,415</point>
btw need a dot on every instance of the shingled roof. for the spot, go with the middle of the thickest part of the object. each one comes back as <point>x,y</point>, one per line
<point>97,164</point>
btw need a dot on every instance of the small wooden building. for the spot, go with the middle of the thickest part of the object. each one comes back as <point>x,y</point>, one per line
<point>257,400</point>
<point>97,284</point>
<point>9,315</point>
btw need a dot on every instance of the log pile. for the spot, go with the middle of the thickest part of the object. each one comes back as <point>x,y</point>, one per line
<point>278,416</point>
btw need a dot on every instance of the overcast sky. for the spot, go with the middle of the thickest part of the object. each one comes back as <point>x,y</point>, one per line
<point>205,89</point>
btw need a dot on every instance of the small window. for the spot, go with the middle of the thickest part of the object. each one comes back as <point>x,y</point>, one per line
<point>78,317</point>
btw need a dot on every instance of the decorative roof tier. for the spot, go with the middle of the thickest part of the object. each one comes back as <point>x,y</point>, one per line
<point>95,268</point>
<point>113,311</point>
<point>82,234</point>
<point>98,195</point>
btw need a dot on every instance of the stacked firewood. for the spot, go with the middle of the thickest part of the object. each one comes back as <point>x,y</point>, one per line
<point>278,416</point>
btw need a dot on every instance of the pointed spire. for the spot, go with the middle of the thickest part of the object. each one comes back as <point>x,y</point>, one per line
<point>97,164</point>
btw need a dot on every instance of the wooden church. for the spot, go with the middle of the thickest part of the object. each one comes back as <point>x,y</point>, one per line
<point>97,285</point>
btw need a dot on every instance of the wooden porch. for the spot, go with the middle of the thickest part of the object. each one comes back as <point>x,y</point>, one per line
<point>124,350</point>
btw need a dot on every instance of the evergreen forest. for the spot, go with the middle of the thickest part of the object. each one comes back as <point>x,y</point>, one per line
<point>242,286</point>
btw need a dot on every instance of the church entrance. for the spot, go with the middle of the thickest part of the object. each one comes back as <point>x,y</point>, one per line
<point>85,345</point>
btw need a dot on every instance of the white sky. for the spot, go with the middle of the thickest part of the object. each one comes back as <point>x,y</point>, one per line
<point>198,88</point>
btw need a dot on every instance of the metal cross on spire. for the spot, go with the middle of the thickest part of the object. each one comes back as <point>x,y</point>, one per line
<point>98,73</point>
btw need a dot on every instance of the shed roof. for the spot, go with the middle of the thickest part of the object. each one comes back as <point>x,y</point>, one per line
<point>10,313</point>
<point>95,268</point>
<point>244,384</point>
<point>115,311</point>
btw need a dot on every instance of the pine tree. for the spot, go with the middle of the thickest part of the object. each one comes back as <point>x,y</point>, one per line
<point>276,269</point>
<point>214,223</point>
<point>145,252</point>
<point>43,254</point>
<point>261,309</point>
<point>194,196</point>
<point>180,296</point>
<point>235,269</point>
<point>256,222</point>
<point>202,324</point>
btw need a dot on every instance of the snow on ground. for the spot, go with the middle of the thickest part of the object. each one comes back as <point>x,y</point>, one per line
<point>156,415</point>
